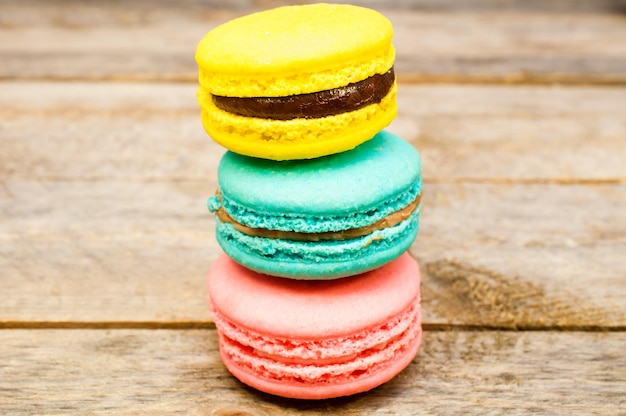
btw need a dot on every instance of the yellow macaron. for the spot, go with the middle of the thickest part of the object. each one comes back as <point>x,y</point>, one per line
<point>297,82</point>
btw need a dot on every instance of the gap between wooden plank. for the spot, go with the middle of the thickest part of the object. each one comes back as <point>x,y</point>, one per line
<point>427,179</point>
<point>186,325</point>
<point>513,79</point>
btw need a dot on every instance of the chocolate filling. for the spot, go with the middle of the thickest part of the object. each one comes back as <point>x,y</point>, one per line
<point>389,221</point>
<point>313,105</point>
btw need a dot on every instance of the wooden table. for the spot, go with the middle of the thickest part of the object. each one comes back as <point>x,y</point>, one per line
<point>519,111</point>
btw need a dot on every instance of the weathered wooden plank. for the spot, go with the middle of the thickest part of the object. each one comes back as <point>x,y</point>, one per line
<point>480,42</point>
<point>105,251</point>
<point>493,255</point>
<point>531,256</point>
<point>179,372</point>
<point>144,132</point>
<point>515,133</point>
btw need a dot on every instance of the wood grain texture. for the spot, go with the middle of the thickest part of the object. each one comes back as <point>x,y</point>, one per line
<point>104,220</point>
<point>523,256</point>
<point>484,41</point>
<point>147,132</point>
<point>179,372</point>
<point>493,255</point>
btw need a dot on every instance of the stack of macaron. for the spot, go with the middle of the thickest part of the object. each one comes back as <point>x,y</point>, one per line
<point>315,295</point>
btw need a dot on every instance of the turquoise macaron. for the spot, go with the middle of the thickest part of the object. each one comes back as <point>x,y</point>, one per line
<point>323,218</point>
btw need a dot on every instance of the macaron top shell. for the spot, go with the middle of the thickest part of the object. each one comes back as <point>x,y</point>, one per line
<point>310,310</point>
<point>292,40</point>
<point>365,184</point>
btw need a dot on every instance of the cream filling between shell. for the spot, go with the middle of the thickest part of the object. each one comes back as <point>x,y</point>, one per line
<point>389,221</point>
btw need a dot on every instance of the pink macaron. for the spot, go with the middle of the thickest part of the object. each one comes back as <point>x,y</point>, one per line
<point>316,340</point>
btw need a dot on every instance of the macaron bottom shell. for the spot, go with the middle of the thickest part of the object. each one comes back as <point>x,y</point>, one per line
<point>300,138</point>
<point>318,259</point>
<point>359,381</point>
